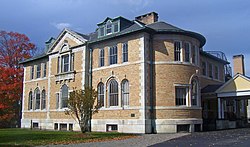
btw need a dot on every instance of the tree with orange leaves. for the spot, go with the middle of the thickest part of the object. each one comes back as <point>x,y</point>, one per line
<point>14,47</point>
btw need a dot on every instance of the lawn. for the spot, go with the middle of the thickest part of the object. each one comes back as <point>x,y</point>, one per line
<point>27,137</point>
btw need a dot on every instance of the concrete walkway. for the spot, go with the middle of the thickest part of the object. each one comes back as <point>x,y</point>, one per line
<point>141,141</point>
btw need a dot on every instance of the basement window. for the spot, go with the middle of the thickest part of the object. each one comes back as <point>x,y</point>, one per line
<point>35,125</point>
<point>112,128</point>
<point>63,127</point>
<point>55,126</point>
<point>70,127</point>
<point>183,128</point>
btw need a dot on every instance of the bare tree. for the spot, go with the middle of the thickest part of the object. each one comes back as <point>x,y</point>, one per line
<point>81,107</point>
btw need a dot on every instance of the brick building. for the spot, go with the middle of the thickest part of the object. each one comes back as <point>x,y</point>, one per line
<point>148,73</point>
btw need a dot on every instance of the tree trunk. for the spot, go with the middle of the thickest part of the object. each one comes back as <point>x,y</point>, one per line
<point>84,124</point>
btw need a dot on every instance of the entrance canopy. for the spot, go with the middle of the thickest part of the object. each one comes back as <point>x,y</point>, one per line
<point>239,85</point>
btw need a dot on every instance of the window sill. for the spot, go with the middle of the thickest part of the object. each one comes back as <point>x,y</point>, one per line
<point>70,75</point>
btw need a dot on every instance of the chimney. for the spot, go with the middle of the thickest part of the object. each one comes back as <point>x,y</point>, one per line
<point>148,18</point>
<point>238,61</point>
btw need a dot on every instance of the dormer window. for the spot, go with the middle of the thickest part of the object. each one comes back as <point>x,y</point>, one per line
<point>101,31</point>
<point>116,28</point>
<point>109,28</point>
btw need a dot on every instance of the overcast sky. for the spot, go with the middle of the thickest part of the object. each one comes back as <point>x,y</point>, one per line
<point>224,23</point>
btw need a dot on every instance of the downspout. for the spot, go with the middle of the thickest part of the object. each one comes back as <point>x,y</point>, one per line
<point>151,52</point>
<point>90,82</point>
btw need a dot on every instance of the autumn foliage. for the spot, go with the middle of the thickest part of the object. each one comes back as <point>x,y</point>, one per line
<point>14,47</point>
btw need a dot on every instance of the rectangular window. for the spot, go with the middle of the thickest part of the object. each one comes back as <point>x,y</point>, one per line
<point>204,68</point>
<point>57,100</point>
<point>55,126</point>
<point>115,25</point>
<point>101,31</point>
<point>111,128</point>
<point>108,28</point>
<point>180,95</point>
<point>35,125</point>
<point>63,127</point>
<point>216,72</point>
<point>65,63</point>
<point>72,62</point>
<point>210,70</point>
<point>125,52</point>
<point>38,71</point>
<point>58,65</point>
<point>32,72</point>
<point>177,51</point>
<point>187,52</point>
<point>113,55</point>
<point>101,57</point>
<point>194,55</point>
<point>44,69</point>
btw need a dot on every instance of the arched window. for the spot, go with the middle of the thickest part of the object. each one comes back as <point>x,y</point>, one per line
<point>100,90</point>
<point>37,97</point>
<point>113,93</point>
<point>125,92</point>
<point>30,101</point>
<point>43,99</point>
<point>194,92</point>
<point>64,98</point>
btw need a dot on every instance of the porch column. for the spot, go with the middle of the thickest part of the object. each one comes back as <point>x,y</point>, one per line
<point>219,108</point>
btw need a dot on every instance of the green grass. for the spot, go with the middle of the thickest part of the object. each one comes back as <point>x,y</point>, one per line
<point>27,137</point>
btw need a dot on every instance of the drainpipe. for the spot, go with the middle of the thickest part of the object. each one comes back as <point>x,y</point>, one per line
<point>90,82</point>
<point>151,52</point>
<point>90,66</point>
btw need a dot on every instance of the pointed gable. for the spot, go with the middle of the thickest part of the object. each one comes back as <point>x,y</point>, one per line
<point>239,83</point>
<point>67,39</point>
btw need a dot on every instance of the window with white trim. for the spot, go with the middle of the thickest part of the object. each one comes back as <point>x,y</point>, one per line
<point>65,63</point>
<point>43,105</point>
<point>108,28</point>
<point>194,93</point>
<point>204,68</point>
<point>32,72</point>
<point>187,52</point>
<point>100,98</point>
<point>38,71</point>
<point>101,31</point>
<point>101,57</point>
<point>125,52</point>
<point>125,92</point>
<point>216,72</point>
<point>30,104</point>
<point>113,55</point>
<point>64,96</point>
<point>116,27</point>
<point>194,55</point>
<point>113,93</point>
<point>57,100</point>
<point>210,70</point>
<point>44,69</point>
<point>37,98</point>
<point>177,51</point>
<point>181,94</point>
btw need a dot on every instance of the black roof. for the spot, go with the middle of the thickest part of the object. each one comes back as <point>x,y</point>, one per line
<point>211,88</point>
<point>163,27</point>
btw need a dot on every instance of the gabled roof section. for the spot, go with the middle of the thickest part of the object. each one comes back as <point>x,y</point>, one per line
<point>113,19</point>
<point>80,37</point>
<point>163,27</point>
<point>134,27</point>
<point>238,83</point>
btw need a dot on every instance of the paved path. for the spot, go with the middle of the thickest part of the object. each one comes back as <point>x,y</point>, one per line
<point>141,141</point>
<point>224,138</point>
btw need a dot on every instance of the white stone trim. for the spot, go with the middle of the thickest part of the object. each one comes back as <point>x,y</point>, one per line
<point>83,66</point>
<point>142,81</point>
<point>23,100</point>
<point>36,80</point>
<point>236,93</point>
